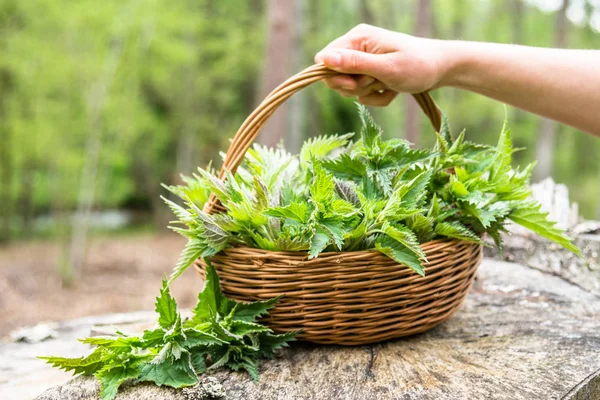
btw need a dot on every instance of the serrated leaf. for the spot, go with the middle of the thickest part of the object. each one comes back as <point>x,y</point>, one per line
<point>323,187</point>
<point>296,211</point>
<point>457,230</point>
<point>370,132</point>
<point>346,191</point>
<point>445,130</point>
<point>320,240</point>
<point>180,212</point>
<point>174,373</point>
<point>210,299</point>
<point>501,162</point>
<point>198,361</point>
<point>80,365</point>
<point>321,146</point>
<point>242,328</point>
<point>269,343</point>
<point>346,167</point>
<point>412,193</point>
<point>406,237</point>
<point>529,215</point>
<point>250,311</point>
<point>166,307</point>
<point>194,338</point>
<point>190,253</point>
<point>251,366</point>
<point>399,253</point>
<point>111,379</point>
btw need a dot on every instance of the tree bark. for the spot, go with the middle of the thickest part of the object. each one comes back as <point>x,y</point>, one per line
<point>278,63</point>
<point>546,138</point>
<point>89,171</point>
<point>6,159</point>
<point>293,136</point>
<point>423,28</point>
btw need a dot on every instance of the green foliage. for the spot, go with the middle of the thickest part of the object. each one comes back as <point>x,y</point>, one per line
<point>221,333</point>
<point>372,193</point>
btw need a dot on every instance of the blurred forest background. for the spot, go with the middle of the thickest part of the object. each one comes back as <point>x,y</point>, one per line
<point>101,101</point>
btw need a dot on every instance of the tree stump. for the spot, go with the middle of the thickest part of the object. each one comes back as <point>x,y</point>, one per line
<point>521,334</point>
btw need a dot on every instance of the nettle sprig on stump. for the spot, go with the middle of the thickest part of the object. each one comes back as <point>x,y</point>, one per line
<point>344,195</point>
<point>220,333</point>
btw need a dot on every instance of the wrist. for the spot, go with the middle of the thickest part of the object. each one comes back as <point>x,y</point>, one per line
<point>456,62</point>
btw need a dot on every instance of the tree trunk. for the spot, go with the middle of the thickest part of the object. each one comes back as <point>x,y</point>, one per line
<point>78,243</point>
<point>6,159</point>
<point>293,136</point>
<point>546,138</point>
<point>366,14</point>
<point>423,28</point>
<point>278,65</point>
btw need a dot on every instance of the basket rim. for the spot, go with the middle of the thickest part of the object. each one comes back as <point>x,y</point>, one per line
<point>430,245</point>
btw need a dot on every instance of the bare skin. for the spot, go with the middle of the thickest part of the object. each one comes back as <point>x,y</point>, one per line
<point>377,64</point>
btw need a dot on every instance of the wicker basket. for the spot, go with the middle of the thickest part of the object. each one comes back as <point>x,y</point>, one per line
<point>348,298</point>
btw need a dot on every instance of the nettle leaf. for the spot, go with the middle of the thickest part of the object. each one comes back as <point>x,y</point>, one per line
<point>456,230</point>
<point>166,307</point>
<point>243,328</point>
<point>174,373</point>
<point>347,191</point>
<point>251,311</point>
<point>81,365</point>
<point>319,147</point>
<point>111,379</point>
<point>318,243</point>
<point>346,167</point>
<point>295,211</point>
<point>270,343</point>
<point>530,215</point>
<point>172,354</point>
<point>195,338</point>
<point>404,236</point>
<point>180,212</point>
<point>415,191</point>
<point>323,187</point>
<point>501,164</point>
<point>210,299</point>
<point>445,130</point>
<point>370,132</point>
<point>422,226</point>
<point>190,253</point>
<point>400,253</point>
<point>404,155</point>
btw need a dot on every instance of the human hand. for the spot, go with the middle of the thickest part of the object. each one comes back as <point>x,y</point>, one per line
<point>377,64</point>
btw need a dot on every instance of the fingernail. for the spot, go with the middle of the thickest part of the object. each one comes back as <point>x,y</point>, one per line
<point>334,59</point>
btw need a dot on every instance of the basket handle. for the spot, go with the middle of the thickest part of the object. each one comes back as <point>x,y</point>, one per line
<point>252,125</point>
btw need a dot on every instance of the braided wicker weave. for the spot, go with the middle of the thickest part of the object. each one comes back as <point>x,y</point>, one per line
<point>347,298</point>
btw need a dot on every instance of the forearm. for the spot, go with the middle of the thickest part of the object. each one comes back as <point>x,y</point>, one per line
<point>560,84</point>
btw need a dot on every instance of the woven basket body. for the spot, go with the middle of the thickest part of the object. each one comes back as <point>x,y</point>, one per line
<point>348,298</point>
<point>351,298</point>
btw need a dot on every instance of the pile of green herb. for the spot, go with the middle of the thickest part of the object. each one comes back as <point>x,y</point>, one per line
<point>344,195</point>
<point>220,333</point>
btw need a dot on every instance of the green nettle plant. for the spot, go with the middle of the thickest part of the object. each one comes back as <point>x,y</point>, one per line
<point>336,195</point>
<point>220,333</point>
<point>339,195</point>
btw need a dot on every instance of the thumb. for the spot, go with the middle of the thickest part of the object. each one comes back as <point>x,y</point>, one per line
<point>353,61</point>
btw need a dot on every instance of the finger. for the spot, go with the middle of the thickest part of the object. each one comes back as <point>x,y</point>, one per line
<point>364,81</point>
<point>346,82</point>
<point>356,62</point>
<point>378,86</point>
<point>346,93</point>
<point>378,99</point>
<point>343,42</point>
